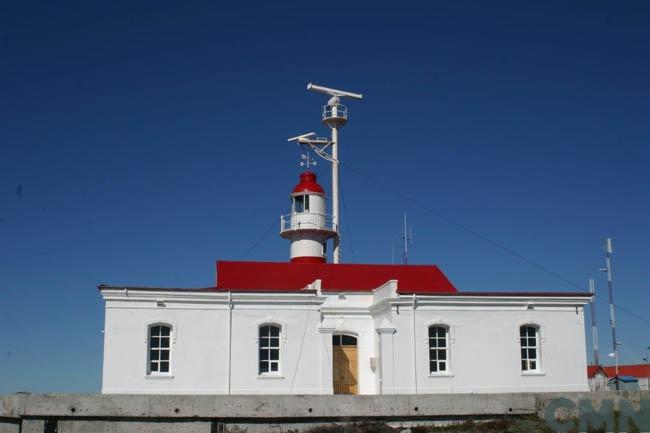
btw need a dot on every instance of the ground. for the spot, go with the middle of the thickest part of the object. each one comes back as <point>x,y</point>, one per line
<point>506,425</point>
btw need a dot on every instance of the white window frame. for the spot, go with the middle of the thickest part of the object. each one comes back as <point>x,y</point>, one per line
<point>160,349</point>
<point>446,349</point>
<point>305,203</point>
<point>525,360</point>
<point>268,349</point>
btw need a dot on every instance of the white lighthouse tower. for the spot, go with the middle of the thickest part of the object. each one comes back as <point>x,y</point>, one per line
<point>308,226</point>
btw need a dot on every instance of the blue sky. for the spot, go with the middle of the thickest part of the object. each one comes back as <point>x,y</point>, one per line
<point>140,142</point>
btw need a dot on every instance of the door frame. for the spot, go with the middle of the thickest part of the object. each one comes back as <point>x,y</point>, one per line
<point>356,346</point>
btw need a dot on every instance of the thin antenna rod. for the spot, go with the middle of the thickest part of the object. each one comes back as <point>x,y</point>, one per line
<point>405,250</point>
<point>594,327</point>
<point>406,238</point>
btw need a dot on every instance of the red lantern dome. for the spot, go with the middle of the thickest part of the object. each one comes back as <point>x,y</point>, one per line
<point>308,184</point>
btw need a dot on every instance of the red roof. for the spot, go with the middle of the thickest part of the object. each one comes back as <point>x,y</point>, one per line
<point>273,276</point>
<point>308,184</point>
<point>593,369</point>
<point>635,370</point>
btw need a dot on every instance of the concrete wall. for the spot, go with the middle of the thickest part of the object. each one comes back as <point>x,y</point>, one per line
<point>161,413</point>
<point>215,342</point>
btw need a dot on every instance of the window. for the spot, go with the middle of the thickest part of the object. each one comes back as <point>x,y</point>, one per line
<point>269,349</point>
<point>344,340</point>
<point>159,348</point>
<point>529,335</point>
<point>438,348</point>
<point>301,203</point>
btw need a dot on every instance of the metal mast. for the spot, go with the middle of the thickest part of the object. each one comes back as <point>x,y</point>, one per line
<point>612,317</point>
<point>594,328</point>
<point>334,115</point>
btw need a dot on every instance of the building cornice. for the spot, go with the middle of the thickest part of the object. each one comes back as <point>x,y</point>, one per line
<point>220,297</point>
<point>494,299</point>
<point>312,297</point>
<point>342,310</point>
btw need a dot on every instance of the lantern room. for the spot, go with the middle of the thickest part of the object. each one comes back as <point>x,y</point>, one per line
<point>308,226</point>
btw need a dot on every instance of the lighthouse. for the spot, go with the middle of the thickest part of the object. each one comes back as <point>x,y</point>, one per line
<point>308,226</point>
<point>334,115</point>
<point>357,343</point>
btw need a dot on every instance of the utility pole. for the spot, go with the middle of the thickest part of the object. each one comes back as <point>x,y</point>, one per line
<point>594,328</point>
<point>647,363</point>
<point>612,317</point>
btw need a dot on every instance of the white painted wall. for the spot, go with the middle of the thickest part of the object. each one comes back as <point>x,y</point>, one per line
<point>307,239</point>
<point>199,345</point>
<point>307,244</point>
<point>300,350</point>
<point>484,336</point>
<point>484,349</point>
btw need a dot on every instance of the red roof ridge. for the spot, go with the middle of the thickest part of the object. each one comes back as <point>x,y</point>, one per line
<point>397,265</point>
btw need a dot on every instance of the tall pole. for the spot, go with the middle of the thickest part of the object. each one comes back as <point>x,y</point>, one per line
<point>647,363</point>
<point>405,252</point>
<point>594,328</point>
<point>334,116</point>
<point>612,316</point>
<point>336,254</point>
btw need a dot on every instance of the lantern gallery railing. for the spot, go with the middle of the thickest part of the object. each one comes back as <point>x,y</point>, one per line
<point>306,220</point>
<point>335,112</point>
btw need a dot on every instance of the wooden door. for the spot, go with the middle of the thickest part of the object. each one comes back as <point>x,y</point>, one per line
<point>345,365</point>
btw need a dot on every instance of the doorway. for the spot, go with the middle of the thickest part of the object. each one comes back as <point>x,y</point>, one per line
<point>344,351</point>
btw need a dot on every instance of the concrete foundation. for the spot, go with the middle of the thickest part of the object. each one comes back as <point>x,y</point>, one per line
<point>26,413</point>
<point>9,425</point>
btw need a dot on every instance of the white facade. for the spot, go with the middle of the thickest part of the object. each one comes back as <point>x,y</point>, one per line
<point>214,341</point>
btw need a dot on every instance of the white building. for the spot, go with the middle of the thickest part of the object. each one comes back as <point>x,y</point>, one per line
<point>600,377</point>
<point>309,327</point>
